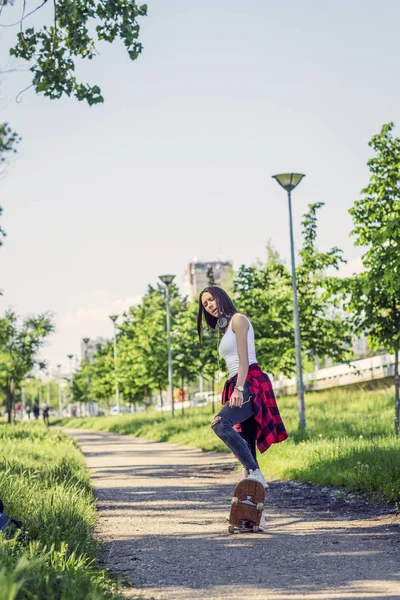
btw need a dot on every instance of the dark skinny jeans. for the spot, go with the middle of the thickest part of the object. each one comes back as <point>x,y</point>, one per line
<point>242,445</point>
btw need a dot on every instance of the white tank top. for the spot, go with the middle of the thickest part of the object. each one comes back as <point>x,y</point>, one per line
<point>228,348</point>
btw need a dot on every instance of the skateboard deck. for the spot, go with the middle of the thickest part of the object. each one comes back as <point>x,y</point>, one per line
<point>247,506</point>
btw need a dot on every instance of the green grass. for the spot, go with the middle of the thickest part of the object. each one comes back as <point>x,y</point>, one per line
<point>45,484</point>
<point>349,441</point>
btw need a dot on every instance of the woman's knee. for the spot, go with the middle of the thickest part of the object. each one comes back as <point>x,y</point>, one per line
<point>220,426</point>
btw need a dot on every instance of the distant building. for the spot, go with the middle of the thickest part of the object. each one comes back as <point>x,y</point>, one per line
<point>200,273</point>
<point>92,347</point>
<point>360,346</point>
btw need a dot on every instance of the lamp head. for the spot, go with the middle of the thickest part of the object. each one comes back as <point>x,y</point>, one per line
<point>114,318</point>
<point>167,279</point>
<point>289,180</point>
<point>70,356</point>
<point>85,340</point>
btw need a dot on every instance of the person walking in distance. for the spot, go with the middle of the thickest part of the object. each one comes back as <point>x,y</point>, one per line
<point>250,417</point>
<point>36,410</point>
<point>45,413</point>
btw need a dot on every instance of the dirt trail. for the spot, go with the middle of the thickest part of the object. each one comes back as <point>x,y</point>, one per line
<point>162,519</point>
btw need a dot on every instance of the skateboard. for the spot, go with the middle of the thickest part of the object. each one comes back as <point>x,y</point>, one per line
<point>247,506</point>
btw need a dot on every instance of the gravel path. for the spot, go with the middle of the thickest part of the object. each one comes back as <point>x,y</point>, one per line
<point>162,510</point>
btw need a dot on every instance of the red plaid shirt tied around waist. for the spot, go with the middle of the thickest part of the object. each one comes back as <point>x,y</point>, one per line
<point>270,427</point>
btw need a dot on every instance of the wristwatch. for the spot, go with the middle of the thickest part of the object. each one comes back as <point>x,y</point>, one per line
<point>240,388</point>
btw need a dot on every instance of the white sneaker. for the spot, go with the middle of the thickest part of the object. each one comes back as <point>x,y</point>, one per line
<point>258,476</point>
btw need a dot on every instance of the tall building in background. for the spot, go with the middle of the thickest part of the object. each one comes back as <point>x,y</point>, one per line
<point>92,347</point>
<point>199,274</point>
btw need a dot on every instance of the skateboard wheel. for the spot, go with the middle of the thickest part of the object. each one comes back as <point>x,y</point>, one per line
<point>256,529</point>
<point>235,500</point>
<point>260,506</point>
<point>231,529</point>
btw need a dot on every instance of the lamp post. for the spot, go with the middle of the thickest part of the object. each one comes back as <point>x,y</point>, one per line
<point>167,280</point>
<point>86,341</point>
<point>60,407</point>
<point>289,181</point>
<point>114,320</point>
<point>70,356</point>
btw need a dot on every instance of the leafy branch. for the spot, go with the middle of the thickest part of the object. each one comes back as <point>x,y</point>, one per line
<point>53,49</point>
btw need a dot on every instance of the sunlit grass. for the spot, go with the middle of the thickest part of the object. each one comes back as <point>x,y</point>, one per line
<point>45,484</point>
<point>348,442</point>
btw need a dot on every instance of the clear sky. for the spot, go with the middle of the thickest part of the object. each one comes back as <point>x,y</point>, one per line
<point>177,162</point>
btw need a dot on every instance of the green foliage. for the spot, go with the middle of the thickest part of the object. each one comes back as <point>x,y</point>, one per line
<point>52,50</point>
<point>347,443</point>
<point>375,294</point>
<point>146,327</point>
<point>44,483</point>
<point>186,349</point>
<point>8,141</point>
<point>101,375</point>
<point>264,293</point>
<point>373,297</point>
<point>19,347</point>
<point>325,331</point>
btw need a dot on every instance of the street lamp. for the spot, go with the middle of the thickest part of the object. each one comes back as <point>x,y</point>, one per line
<point>70,356</point>
<point>167,280</point>
<point>60,407</point>
<point>114,320</point>
<point>289,181</point>
<point>86,341</point>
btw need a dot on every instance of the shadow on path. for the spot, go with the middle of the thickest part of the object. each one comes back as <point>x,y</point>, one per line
<point>163,523</point>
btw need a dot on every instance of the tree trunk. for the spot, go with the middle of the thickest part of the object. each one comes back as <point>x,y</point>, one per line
<point>12,401</point>
<point>161,402</point>
<point>9,403</point>
<point>397,391</point>
<point>183,394</point>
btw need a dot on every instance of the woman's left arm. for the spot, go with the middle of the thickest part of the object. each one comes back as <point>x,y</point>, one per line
<point>240,327</point>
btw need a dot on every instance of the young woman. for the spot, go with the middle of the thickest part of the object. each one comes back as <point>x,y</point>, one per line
<point>250,415</point>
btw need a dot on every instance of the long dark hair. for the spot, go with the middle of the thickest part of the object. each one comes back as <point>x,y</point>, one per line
<point>225,307</point>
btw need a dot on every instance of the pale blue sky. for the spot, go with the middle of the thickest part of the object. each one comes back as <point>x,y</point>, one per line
<point>178,161</point>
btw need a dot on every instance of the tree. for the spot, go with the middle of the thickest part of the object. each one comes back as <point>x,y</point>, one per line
<point>185,345</point>
<point>8,141</point>
<point>264,293</point>
<point>132,377</point>
<point>146,360</point>
<point>101,375</point>
<point>76,26</point>
<point>148,331</point>
<point>325,332</point>
<point>20,344</point>
<point>374,295</point>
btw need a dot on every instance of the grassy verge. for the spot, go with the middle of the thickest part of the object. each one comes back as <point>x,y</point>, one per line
<point>45,484</point>
<point>348,442</point>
